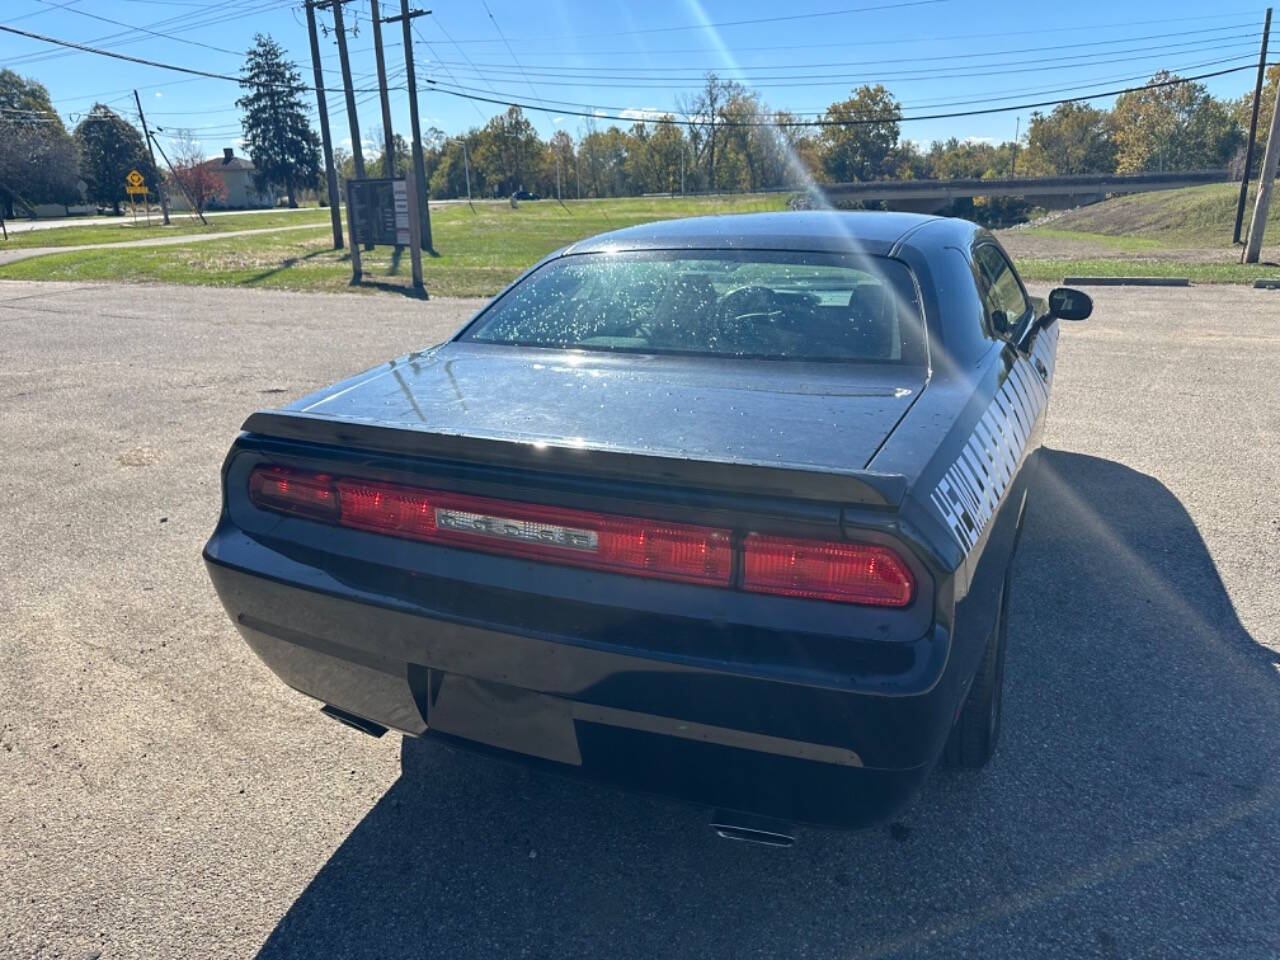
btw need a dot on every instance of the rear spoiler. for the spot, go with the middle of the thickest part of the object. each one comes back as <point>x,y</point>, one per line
<point>794,482</point>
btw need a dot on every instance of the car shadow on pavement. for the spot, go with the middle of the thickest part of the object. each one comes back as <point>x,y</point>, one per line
<point>1131,808</point>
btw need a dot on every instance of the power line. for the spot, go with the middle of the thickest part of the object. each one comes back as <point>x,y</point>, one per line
<point>565,68</point>
<point>444,88</point>
<point>1074,62</point>
<point>731,23</point>
<point>417,33</point>
<point>155,33</point>
<point>865,42</point>
<point>869,121</point>
<point>498,27</point>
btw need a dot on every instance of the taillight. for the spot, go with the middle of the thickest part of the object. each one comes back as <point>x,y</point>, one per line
<point>581,538</point>
<point>292,491</point>
<point>826,570</point>
<point>816,569</point>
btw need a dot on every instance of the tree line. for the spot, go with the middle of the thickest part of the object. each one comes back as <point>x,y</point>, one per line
<point>722,137</point>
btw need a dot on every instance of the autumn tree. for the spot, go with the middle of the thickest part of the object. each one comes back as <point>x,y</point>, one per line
<point>39,161</point>
<point>1174,126</point>
<point>1074,138</point>
<point>284,149</point>
<point>196,175</point>
<point>1242,112</point>
<point>860,141</point>
<point>110,147</point>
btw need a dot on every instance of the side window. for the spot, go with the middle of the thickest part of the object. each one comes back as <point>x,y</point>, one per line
<point>1002,293</point>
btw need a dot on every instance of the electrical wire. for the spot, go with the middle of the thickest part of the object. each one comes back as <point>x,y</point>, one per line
<point>462,94</point>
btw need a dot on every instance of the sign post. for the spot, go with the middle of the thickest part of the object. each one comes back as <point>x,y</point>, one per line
<point>135,185</point>
<point>384,212</point>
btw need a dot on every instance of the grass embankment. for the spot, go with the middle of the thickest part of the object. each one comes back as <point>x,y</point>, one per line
<point>1171,233</point>
<point>480,250</point>
<point>180,224</point>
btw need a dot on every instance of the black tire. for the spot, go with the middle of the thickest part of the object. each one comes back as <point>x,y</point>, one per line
<point>977,730</point>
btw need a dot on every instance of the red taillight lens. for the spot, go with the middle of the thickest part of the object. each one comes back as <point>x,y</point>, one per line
<point>650,548</point>
<point>292,491</point>
<point>826,570</point>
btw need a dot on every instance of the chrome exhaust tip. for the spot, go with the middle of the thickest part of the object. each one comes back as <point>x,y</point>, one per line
<point>374,730</point>
<point>749,828</point>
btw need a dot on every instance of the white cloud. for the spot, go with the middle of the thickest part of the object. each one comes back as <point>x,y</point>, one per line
<point>557,119</point>
<point>643,113</point>
<point>159,94</point>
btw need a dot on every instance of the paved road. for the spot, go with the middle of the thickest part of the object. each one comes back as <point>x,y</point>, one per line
<point>161,795</point>
<point>26,253</point>
<point>23,226</point>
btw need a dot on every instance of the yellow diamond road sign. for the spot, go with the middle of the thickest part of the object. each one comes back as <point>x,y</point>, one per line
<point>134,179</point>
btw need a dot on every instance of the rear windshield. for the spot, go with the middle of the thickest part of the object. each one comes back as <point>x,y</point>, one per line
<point>768,305</point>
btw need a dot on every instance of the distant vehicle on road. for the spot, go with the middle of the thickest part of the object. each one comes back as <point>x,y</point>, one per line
<point>526,195</point>
<point>722,508</point>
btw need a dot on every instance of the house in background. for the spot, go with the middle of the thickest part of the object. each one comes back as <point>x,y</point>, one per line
<point>237,174</point>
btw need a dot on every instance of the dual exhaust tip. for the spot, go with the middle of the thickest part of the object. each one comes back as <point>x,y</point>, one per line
<point>728,824</point>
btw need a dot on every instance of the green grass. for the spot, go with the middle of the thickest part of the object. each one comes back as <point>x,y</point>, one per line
<point>1192,216</point>
<point>1054,270</point>
<point>180,224</point>
<point>1125,243</point>
<point>480,252</point>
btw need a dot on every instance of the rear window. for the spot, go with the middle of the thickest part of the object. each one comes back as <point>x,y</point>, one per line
<point>778,306</point>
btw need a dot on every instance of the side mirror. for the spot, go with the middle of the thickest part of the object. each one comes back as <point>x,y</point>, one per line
<point>1068,304</point>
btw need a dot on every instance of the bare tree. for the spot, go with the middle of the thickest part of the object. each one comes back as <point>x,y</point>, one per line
<point>704,111</point>
<point>195,174</point>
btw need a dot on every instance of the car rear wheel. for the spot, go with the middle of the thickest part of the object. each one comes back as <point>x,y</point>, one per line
<point>977,729</point>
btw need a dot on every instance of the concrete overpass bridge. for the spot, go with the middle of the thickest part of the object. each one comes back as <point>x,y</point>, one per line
<point>929,195</point>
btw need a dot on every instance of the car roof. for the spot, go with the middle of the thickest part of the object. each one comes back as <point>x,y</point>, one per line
<point>842,231</point>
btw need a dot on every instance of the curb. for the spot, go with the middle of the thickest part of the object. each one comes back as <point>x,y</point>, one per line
<point>1267,283</point>
<point>1128,281</point>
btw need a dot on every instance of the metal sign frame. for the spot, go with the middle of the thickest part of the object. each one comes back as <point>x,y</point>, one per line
<point>358,214</point>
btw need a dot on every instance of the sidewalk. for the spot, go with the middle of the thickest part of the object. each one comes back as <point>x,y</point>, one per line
<point>13,256</point>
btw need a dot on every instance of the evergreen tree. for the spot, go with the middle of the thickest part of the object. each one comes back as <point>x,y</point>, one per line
<point>277,134</point>
<point>110,147</point>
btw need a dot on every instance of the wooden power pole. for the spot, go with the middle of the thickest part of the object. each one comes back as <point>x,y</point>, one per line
<point>1266,185</point>
<point>419,172</point>
<point>164,203</point>
<point>389,151</point>
<point>330,173</point>
<point>1253,127</point>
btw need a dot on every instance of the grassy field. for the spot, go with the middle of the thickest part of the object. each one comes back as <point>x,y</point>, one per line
<point>1191,217</point>
<point>1172,233</point>
<point>180,223</point>
<point>480,251</point>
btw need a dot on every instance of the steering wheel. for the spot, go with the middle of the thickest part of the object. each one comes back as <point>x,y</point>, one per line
<point>751,302</point>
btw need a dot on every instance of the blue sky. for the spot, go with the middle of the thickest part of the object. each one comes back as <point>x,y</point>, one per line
<point>607,57</point>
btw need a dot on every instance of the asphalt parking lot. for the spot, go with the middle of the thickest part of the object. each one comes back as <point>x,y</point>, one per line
<point>162,795</point>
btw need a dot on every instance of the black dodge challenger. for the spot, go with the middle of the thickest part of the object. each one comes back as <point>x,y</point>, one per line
<point>721,508</point>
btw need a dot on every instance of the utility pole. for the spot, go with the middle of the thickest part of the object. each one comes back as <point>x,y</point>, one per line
<point>389,153</point>
<point>419,172</point>
<point>331,174</point>
<point>1017,132</point>
<point>1266,184</point>
<point>357,154</point>
<point>577,169</point>
<point>190,199</point>
<point>164,204</point>
<point>1253,127</point>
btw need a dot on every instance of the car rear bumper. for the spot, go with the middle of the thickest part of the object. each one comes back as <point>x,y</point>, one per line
<point>841,751</point>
